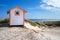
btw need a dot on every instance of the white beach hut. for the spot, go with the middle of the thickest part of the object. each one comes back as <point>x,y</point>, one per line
<point>16,16</point>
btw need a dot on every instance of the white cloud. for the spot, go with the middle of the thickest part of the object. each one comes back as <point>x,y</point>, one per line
<point>54,3</point>
<point>33,8</point>
<point>50,4</point>
<point>45,7</point>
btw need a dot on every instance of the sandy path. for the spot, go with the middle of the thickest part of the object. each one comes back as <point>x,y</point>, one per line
<point>53,33</point>
<point>17,33</point>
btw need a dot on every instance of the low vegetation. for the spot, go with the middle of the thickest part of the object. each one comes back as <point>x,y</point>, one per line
<point>52,23</point>
<point>48,23</point>
<point>36,23</point>
<point>4,21</point>
<point>32,23</point>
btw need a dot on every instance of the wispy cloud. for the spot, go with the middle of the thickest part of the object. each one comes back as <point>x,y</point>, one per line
<point>50,4</point>
<point>54,3</point>
<point>33,8</point>
<point>44,6</point>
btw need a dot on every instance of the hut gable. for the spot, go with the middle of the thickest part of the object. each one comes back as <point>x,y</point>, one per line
<point>14,8</point>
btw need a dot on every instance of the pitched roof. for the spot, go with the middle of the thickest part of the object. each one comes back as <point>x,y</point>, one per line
<point>15,7</point>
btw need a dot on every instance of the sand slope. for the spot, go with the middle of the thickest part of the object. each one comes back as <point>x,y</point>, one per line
<point>18,33</point>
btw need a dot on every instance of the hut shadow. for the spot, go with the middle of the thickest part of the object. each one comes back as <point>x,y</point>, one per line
<point>7,25</point>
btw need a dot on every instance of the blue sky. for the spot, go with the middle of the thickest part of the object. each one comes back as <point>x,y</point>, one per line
<point>36,9</point>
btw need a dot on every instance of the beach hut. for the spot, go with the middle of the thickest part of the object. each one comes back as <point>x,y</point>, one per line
<point>16,16</point>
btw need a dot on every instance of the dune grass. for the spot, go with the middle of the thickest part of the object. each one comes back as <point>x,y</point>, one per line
<point>32,23</point>
<point>48,23</point>
<point>52,23</point>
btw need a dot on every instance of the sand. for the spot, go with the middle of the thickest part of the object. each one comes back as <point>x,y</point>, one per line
<point>31,33</point>
<point>18,33</point>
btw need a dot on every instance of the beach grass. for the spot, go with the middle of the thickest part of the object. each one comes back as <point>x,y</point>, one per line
<point>32,23</point>
<point>47,23</point>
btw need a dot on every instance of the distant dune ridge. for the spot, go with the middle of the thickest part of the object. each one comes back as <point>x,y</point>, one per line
<point>36,26</point>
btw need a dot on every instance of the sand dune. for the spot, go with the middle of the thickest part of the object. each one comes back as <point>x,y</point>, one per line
<point>18,33</point>
<point>31,33</point>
